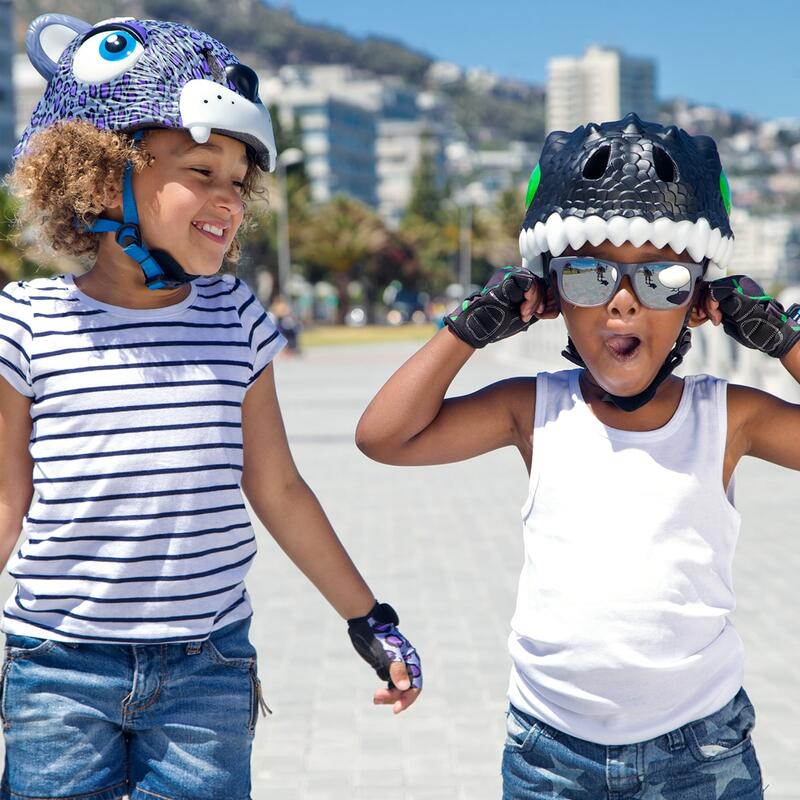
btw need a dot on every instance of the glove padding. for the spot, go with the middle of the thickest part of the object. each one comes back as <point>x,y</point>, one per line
<point>493,313</point>
<point>377,640</point>
<point>754,318</point>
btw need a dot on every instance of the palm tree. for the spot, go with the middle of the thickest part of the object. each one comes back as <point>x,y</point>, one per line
<point>340,237</point>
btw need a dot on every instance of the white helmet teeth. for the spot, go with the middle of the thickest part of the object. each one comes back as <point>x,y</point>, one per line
<point>696,238</point>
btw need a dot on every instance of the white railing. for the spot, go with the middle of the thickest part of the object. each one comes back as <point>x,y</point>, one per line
<point>712,352</point>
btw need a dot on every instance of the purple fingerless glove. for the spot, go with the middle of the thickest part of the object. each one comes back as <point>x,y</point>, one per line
<point>377,640</point>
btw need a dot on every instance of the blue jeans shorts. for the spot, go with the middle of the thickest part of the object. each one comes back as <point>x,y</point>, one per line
<point>710,759</point>
<point>99,721</point>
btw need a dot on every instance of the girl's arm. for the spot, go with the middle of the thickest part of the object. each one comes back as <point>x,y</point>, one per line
<point>16,466</point>
<point>288,509</point>
<point>410,423</point>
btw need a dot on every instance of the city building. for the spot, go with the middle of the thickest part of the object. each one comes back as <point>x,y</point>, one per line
<point>767,248</point>
<point>605,84</point>
<point>361,135</point>
<point>338,134</point>
<point>29,86</point>
<point>7,130</point>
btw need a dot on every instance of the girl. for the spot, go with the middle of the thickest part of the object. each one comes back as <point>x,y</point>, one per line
<point>137,400</point>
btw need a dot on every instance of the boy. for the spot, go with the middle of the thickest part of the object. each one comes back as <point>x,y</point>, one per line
<point>626,676</point>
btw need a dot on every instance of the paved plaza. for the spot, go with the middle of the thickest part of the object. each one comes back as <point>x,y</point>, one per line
<point>422,541</point>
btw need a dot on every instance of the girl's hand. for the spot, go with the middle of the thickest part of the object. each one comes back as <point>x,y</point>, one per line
<point>378,641</point>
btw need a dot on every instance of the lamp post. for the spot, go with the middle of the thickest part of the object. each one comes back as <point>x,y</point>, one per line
<point>286,159</point>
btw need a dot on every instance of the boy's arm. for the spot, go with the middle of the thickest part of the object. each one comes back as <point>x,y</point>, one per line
<point>760,424</point>
<point>289,510</point>
<point>770,426</point>
<point>16,466</point>
<point>410,423</point>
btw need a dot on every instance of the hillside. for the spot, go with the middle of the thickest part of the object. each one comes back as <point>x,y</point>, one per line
<point>270,37</point>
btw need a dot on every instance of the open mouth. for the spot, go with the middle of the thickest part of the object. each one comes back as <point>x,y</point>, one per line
<point>623,348</point>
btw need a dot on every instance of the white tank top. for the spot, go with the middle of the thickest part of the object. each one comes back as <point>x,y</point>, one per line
<point>621,631</point>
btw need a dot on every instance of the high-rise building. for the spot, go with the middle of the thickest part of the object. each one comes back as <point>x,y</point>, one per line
<point>605,84</point>
<point>7,137</point>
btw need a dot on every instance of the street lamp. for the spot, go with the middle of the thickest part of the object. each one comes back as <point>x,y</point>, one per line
<point>286,159</point>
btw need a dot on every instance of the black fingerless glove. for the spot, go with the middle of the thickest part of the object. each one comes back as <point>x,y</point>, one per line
<point>754,318</point>
<point>493,313</point>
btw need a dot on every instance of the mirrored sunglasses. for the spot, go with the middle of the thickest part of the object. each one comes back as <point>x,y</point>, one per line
<point>588,282</point>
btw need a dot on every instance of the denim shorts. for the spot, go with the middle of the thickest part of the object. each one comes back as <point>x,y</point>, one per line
<point>99,721</point>
<point>710,759</point>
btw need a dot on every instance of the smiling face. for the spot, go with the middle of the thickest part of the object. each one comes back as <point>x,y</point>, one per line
<point>190,197</point>
<point>623,343</point>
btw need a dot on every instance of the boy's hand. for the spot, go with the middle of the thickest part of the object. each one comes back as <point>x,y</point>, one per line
<point>378,641</point>
<point>754,318</point>
<point>505,306</point>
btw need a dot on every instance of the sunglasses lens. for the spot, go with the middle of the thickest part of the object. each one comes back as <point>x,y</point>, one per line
<point>587,281</point>
<point>663,286</point>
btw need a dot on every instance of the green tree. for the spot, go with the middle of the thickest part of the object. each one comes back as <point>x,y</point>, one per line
<point>340,241</point>
<point>427,195</point>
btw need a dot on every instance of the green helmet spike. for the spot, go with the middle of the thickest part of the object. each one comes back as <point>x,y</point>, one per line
<point>725,191</point>
<point>533,184</point>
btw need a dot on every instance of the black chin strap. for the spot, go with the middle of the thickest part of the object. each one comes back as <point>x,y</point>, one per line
<point>636,401</point>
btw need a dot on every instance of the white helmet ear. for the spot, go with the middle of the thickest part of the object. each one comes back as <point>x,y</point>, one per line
<point>47,38</point>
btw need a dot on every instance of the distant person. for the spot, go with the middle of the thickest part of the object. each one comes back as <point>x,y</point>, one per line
<point>138,399</point>
<point>288,323</point>
<point>627,672</point>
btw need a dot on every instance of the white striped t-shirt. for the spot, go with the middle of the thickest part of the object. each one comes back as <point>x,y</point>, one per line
<point>138,530</point>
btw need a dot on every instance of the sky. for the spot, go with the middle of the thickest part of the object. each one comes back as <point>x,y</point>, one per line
<point>737,55</point>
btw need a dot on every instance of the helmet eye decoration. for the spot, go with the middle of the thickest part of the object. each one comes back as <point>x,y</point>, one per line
<point>107,52</point>
<point>725,191</point>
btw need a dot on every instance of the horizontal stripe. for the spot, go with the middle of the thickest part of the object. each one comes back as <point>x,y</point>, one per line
<point>16,345</point>
<point>150,537</point>
<point>141,579</point>
<point>127,409</point>
<point>65,613</point>
<point>102,476</point>
<point>230,608</point>
<point>134,325</point>
<point>227,487</point>
<point>90,312</point>
<point>132,386</point>
<point>137,599</point>
<point>138,559</point>
<point>123,517</point>
<point>103,348</point>
<point>179,426</point>
<point>242,308</point>
<point>256,325</point>
<point>84,637</point>
<point>14,368</point>
<point>268,341</point>
<point>208,362</point>
<point>14,299</point>
<point>212,309</point>
<point>141,451</point>
<point>18,322</point>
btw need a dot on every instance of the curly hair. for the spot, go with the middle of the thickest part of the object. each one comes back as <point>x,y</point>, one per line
<point>71,170</point>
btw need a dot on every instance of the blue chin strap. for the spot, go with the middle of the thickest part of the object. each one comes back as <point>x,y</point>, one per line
<point>161,270</point>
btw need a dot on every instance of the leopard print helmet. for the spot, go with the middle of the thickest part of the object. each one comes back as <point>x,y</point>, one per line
<point>125,74</point>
